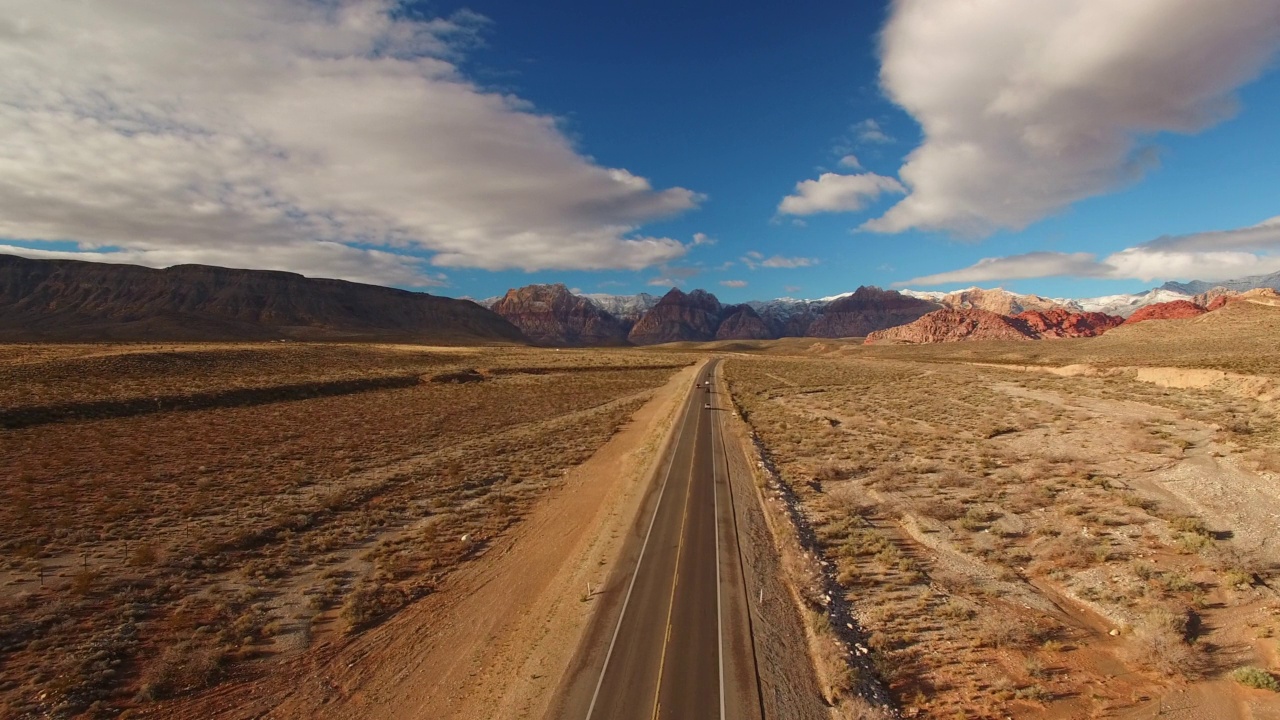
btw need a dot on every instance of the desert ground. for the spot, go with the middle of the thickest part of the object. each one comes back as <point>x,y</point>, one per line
<point>1059,529</point>
<point>1041,529</point>
<point>179,518</point>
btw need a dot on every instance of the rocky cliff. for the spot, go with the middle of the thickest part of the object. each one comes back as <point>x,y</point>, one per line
<point>1061,323</point>
<point>679,316</point>
<point>1175,310</point>
<point>952,325</point>
<point>866,310</point>
<point>741,322</point>
<point>996,300</point>
<point>71,300</point>
<point>551,315</point>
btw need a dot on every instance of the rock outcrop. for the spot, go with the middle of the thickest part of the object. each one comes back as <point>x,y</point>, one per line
<point>740,322</point>
<point>679,316</point>
<point>997,300</point>
<point>551,315</point>
<point>1174,310</point>
<point>867,310</point>
<point>1061,323</point>
<point>952,325</point>
<point>72,300</point>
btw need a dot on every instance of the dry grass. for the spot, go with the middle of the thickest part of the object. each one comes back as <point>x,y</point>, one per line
<point>147,553</point>
<point>978,518</point>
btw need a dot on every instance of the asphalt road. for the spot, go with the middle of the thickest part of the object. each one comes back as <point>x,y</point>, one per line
<point>681,645</point>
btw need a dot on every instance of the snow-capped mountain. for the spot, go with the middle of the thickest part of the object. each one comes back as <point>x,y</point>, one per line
<point>1126,305</point>
<point>1253,282</point>
<point>627,307</point>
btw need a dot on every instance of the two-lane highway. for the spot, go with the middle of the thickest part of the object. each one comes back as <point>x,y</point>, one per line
<point>681,646</point>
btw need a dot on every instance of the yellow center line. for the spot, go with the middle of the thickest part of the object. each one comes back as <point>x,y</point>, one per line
<point>662,661</point>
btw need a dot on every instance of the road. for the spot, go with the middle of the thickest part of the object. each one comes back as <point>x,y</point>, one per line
<point>679,645</point>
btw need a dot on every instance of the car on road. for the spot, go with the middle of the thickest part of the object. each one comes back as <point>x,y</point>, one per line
<point>707,405</point>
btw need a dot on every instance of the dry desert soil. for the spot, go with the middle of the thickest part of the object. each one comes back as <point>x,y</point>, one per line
<point>1052,529</point>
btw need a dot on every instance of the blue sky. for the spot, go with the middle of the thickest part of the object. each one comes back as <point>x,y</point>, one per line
<point>468,147</point>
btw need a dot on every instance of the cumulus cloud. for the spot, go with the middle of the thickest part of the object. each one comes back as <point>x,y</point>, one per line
<point>734,283</point>
<point>278,133</point>
<point>703,239</point>
<point>1209,256</point>
<point>833,192</point>
<point>1027,107</point>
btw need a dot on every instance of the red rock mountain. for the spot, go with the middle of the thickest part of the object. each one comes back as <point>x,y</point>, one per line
<point>679,316</point>
<point>1061,323</point>
<point>951,325</point>
<point>551,315</point>
<point>742,323</point>
<point>71,300</point>
<point>1175,310</point>
<point>868,309</point>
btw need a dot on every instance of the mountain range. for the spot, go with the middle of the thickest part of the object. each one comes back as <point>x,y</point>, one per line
<point>69,300</point>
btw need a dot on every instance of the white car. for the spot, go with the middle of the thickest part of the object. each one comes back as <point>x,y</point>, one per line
<point>707,405</point>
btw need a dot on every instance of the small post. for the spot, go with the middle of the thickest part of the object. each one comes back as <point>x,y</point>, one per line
<point>41,576</point>
<point>86,559</point>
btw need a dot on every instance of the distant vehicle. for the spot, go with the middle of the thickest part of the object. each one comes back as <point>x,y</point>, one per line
<point>707,405</point>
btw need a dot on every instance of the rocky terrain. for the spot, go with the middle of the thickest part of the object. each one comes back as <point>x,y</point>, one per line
<point>1252,282</point>
<point>70,300</point>
<point>996,300</point>
<point>867,310</point>
<point>951,325</point>
<point>1173,310</point>
<point>679,316</point>
<point>741,322</point>
<point>551,315</point>
<point>1062,323</point>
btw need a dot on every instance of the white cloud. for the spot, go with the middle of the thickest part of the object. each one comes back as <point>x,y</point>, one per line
<point>663,282</point>
<point>1027,107</point>
<point>833,192</point>
<point>1209,256</point>
<point>256,133</point>
<point>851,162</point>
<point>318,259</point>
<point>734,283</point>
<point>869,131</point>
<point>703,239</point>
<point>755,260</point>
<point>1012,267</point>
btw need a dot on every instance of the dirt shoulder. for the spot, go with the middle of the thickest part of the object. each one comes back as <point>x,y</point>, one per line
<point>499,633</point>
<point>789,683</point>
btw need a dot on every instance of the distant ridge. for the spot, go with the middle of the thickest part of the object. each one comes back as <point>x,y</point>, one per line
<point>74,301</point>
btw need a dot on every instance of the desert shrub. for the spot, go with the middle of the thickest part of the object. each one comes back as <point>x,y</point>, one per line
<point>1191,525</point>
<point>857,708</point>
<point>1255,677</point>
<point>370,601</point>
<point>1160,643</point>
<point>180,667</point>
<point>941,509</point>
<point>144,555</point>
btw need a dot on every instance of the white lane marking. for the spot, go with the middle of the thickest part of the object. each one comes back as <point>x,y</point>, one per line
<point>715,525</point>
<point>643,546</point>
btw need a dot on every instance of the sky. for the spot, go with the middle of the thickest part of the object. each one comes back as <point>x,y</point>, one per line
<point>1070,148</point>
